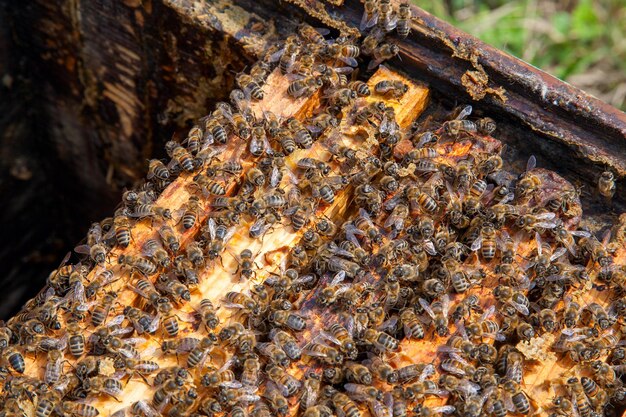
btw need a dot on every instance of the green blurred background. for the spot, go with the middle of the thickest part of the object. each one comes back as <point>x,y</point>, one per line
<point>582,42</point>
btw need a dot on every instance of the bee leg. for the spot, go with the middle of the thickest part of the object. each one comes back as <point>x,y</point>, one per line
<point>144,378</point>
<point>114,397</point>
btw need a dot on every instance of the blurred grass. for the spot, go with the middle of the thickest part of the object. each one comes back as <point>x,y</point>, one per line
<point>580,41</point>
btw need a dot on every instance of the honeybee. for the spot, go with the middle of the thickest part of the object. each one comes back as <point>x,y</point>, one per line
<point>191,212</point>
<point>606,184</point>
<point>593,314</point>
<point>97,252</point>
<point>101,311</point>
<point>387,19</point>
<point>342,337</point>
<point>454,128</point>
<point>382,370</point>
<point>199,353</point>
<point>403,26</point>
<point>141,264</point>
<point>599,251</point>
<point>180,155</point>
<point>438,312</point>
<point>277,401</point>
<point>394,89</point>
<point>249,85</point>
<point>345,405</point>
<point>54,366</point>
<point>530,222</point>
<point>579,396</point>
<point>153,249</point>
<point>215,132</point>
<point>287,384</point>
<point>172,287</point>
<point>287,342</point>
<point>486,242</point>
<point>381,53</point>
<point>324,352</point>
<point>423,200</point>
<point>516,299</point>
<point>142,322</point>
<point>80,409</point>
<point>310,392</point>
<point>274,353</point>
<point>288,54</point>
<point>305,87</point>
<point>380,340</point>
<point>241,301</point>
<point>464,309</point>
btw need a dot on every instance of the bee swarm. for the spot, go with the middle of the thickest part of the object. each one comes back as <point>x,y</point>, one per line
<point>316,248</point>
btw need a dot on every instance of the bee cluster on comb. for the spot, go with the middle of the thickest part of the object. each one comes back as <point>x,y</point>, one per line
<point>339,258</point>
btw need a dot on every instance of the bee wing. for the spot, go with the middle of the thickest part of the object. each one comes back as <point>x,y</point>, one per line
<point>259,226</point>
<point>332,247</point>
<point>460,329</point>
<point>393,202</point>
<point>532,163</point>
<point>339,277</point>
<point>546,216</point>
<point>150,247</point>
<point>275,176</point>
<point>488,313</point>
<point>520,307</point>
<point>330,337</point>
<point>115,321</point>
<point>135,340</point>
<point>232,305</point>
<point>367,23</point>
<point>425,138</point>
<point>352,232</point>
<point>350,61</point>
<point>468,388</point>
<point>374,63</point>
<point>349,325</point>
<point>448,349</point>
<point>391,24</point>
<point>464,112</point>
<point>445,305</point>
<point>459,358</point>
<point>306,163</point>
<point>427,308</point>
<point>444,409</point>
<point>147,409</point>
<point>82,249</point>
<point>558,253</point>
<point>580,233</point>
<point>388,324</point>
<point>538,240</point>
<point>51,343</point>
<point>477,244</point>
<point>396,221</point>
<point>507,198</point>
<point>546,225</point>
<point>429,247</point>
<point>186,316</point>
<point>212,228</point>
<point>495,336</point>
<point>502,238</point>
<point>363,213</point>
<point>513,370</point>
<point>427,372</point>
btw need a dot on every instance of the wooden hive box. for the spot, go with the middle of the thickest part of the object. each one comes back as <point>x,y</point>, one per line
<point>569,133</point>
